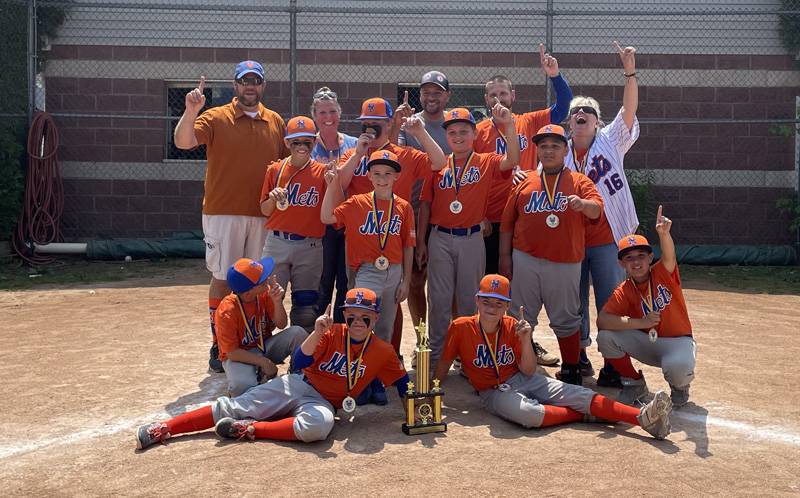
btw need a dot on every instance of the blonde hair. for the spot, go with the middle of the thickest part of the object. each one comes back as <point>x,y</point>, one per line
<point>580,100</point>
<point>324,93</point>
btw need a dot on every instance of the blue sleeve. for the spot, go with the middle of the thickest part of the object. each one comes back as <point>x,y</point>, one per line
<point>300,360</point>
<point>559,110</point>
<point>402,386</point>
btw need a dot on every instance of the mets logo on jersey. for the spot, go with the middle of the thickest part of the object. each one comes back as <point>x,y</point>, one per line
<point>370,226</point>
<point>598,168</point>
<point>483,357</point>
<point>361,169</point>
<point>336,366</point>
<point>472,175</point>
<point>501,148</point>
<point>309,198</point>
<point>539,203</point>
<point>662,300</point>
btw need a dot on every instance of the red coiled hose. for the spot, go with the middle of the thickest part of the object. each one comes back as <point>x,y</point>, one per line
<point>43,202</point>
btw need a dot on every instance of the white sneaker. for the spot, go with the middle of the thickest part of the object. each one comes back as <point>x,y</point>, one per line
<point>654,416</point>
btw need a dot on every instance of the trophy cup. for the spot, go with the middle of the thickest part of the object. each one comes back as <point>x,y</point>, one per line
<point>417,396</point>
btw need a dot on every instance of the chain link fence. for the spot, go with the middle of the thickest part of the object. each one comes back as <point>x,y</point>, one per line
<point>717,100</point>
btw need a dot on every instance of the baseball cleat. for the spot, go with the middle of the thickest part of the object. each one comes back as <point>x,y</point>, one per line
<point>679,396</point>
<point>608,377</point>
<point>587,370</point>
<point>633,390</point>
<point>235,429</point>
<point>654,416</point>
<point>214,363</point>
<point>150,434</point>
<point>570,374</point>
<point>543,357</point>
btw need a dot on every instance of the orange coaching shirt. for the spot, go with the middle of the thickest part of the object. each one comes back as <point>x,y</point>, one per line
<point>305,198</point>
<point>362,242</point>
<point>414,165</point>
<point>439,190</point>
<point>464,339</point>
<point>229,323</point>
<point>528,208</point>
<point>488,139</point>
<point>239,148</point>
<point>328,373</point>
<point>626,300</point>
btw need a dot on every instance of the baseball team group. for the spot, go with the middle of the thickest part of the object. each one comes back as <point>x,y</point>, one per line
<point>475,224</point>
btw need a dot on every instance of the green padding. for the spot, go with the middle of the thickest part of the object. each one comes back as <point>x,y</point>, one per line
<point>735,255</point>
<point>117,249</point>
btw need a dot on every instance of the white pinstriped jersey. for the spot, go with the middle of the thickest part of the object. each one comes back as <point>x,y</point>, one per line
<point>604,167</point>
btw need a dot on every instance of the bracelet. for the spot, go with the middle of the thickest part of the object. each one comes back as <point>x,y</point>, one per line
<point>632,75</point>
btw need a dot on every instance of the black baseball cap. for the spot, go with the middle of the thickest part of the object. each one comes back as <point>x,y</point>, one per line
<point>437,78</point>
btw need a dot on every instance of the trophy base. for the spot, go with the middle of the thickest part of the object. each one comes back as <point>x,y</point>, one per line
<point>412,430</point>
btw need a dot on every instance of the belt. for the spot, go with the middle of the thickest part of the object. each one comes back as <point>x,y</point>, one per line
<point>287,235</point>
<point>461,232</point>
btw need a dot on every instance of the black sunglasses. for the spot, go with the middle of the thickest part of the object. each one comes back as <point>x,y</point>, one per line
<point>298,143</point>
<point>587,109</point>
<point>250,81</point>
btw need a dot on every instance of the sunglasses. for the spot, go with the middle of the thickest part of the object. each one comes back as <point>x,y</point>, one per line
<point>325,95</point>
<point>250,81</point>
<point>301,143</point>
<point>350,319</point>
<point>587,109</point>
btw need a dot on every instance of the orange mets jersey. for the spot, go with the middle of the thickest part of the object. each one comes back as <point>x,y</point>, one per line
<point>414,165</point>
<point>306,188</point>
<point>230,325</point>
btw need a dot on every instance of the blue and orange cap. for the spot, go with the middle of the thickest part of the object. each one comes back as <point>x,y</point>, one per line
<point>300,126</point>
<point>631,242</point>
<point>550,130</point>
<point>458,115</point>
<point>246,67</point>
<point>495,286</point>
<point>376,108</point>
<point>362,298</point>
<point>384,157</point>
<point>247,273</point>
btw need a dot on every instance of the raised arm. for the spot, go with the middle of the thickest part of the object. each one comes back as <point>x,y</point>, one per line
<point>559,110</point>
<point>184,136</point>
<point>630,96</point>
<point>663,226</point>
<point>415,128</point>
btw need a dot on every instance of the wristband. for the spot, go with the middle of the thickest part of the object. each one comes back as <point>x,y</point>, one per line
<point>632,75</point>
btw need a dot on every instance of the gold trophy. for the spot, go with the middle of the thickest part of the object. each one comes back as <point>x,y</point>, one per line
<point>418,396</point>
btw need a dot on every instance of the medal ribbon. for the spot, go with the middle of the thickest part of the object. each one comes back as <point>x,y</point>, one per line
<point>580,166</point>
<point>451,163</point>
<point>283,166</point>
<point>251,336</point>
<point>505,140</point>
<point>383,238</point>
<point>648,303</point>
<point>493,352</point>
<point>551,195</point>
<point>351,382</point>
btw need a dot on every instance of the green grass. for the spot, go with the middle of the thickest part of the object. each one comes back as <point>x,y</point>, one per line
<point>67,271</point>
<point>761,279</point>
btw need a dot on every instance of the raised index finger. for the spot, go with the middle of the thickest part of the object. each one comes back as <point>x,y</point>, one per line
<point>328,310</point>
<point>202,84</point>
<point>405,97</point>
<point>541,53</point>
<point>658,215</point>
<point>522,312</point>
<point>616,45</point>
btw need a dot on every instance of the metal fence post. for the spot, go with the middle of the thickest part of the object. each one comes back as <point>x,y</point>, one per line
<point>293,56</point>
<point>31,59</point>
<point>548,43</point>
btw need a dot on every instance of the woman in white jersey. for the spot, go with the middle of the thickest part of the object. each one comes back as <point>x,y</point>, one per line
<point>598,152</point>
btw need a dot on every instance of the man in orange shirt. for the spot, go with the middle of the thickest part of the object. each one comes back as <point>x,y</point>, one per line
<point>646,318</point>
<point>245,319</point>
<point>491,139</point>
<point>338,363</point>
<point>241,139</point>
<point>291,197</point>
<point>499,362</point>
<point>544,222</point>
<point>457,197</point>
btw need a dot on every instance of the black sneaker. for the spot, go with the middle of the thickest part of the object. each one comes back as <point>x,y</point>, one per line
<point>214,363</point>
<point>587,370</point>
<point>609,378</point>
<point>570,374</point>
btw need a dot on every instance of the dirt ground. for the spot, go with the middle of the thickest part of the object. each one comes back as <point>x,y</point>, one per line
<point>84,366</point>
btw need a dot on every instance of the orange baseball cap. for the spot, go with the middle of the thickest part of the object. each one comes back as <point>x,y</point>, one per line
<point>376,108</point>
<point>458,115</point>
<point>550,130</point>
<point>362,298</point>
<point>496,286</point>
<point>300,126</point>
<point>384,157</point>
<point>630,242</point>
<point>247,273</point>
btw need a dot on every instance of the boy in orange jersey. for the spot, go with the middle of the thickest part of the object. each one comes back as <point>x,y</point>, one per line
<point>379,235</point>
<point>499,361</point>
<point>646,318</point>
<point>544,222</point>
<point>290,199</point>
<point>245,319</point>
<point>456,198</point>
<point>338,361</point>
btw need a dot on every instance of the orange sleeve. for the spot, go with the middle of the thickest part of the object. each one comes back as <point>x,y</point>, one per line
<point>269,307</point>
<point>661,273</point>
<point>426,193</point>
<point>493,164</point>
<point>422,163</point>
<point>322,346</point>
<point>617,304</point>
<point>269,182</point>
<point>347,154</point>
<point>535,120</point>
<point>409,234</point>
<point>510,211</point>
<point>203,129</point>
<point>391,369</point>
<point>342,211</point>
<point>589,192</point>
<point>226,324</point>
<point>451,344</point>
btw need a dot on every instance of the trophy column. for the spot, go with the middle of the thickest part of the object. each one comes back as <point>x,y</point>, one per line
<point>418,395</point>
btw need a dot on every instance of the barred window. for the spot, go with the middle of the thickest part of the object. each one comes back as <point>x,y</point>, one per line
<point>469,96</point>
<point>217,93</point>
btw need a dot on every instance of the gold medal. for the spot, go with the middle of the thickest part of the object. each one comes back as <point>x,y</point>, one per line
<point>503,387</point>
<point>349,404</point>
<point>283,205</point>
<point>382,263</point>
<point>653,335</point>
<point>552,221</point>
<point>455,207</point>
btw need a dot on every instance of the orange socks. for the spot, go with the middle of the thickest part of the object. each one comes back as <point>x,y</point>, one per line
<point>625,367</point>
<point>570,348</point>
<point>557,415</point>
<point>609,409</point>
<point>195,420</point>
<point>281,430</point>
